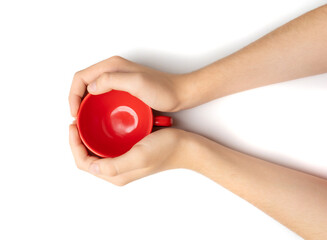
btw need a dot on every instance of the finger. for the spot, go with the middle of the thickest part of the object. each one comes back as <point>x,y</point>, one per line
<point>82,159</point>
<point>113,64</point>
<point>132,160</point>
<point>129,82</point>
<point>74,103</point>
<point>83,78</point>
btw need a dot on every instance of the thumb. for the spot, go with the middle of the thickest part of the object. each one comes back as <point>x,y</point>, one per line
<point>128,82</point>
<point>130,161</point>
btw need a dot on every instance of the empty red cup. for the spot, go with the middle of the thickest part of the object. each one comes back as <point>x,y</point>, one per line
<point>110,124</point>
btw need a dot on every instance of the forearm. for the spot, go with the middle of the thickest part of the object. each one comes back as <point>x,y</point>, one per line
<point>295,199</point>
<point>295,50</point>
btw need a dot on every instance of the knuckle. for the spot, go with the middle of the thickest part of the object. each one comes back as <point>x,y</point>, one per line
<point>77,75</point>
<point>103,78</point>
<point>112,170</point>
<point>120,182</point>
<point>78,165</point>
<point>138,151</point>
<point>71,129</point>
<point>116,59</point>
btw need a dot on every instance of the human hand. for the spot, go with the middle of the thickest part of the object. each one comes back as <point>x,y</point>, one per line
<point>158,151</point>
<point>161,150</point>
<point>157,89</point>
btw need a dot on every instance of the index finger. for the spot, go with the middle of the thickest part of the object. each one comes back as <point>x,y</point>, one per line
<point>84,77</point>
<point>82,159</point>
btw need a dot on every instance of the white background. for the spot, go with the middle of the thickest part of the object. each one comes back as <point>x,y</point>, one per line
<point>44,196</point>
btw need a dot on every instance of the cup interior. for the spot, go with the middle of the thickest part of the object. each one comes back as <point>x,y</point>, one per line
<point>111,123</point>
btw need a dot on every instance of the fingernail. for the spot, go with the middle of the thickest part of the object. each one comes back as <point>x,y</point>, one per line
<point>94,168</point>
<point>92,87</point>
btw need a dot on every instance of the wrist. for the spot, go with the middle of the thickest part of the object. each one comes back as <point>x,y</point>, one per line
<point>192,151</point>
<point>184,90</point>
<point>199,87</point>
<point>205,156</point>
<point>184,153</point>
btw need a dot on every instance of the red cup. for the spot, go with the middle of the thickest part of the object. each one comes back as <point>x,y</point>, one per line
<point>110,124</point>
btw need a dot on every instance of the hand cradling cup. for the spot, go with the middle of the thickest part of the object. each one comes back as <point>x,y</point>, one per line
<point>110,124</point>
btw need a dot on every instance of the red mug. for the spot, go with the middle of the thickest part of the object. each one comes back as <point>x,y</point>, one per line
<point>110,124</point>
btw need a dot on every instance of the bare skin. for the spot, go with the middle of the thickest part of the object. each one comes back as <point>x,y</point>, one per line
<point>297,49</point>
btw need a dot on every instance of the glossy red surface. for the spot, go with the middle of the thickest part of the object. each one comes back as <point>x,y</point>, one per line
<point>162,121</point>
<point>111,123</point>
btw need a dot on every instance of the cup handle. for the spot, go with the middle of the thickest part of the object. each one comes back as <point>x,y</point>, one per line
<point>162,121</point>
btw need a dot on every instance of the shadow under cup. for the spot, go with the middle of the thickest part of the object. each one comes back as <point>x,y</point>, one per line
<point>110,124</point>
